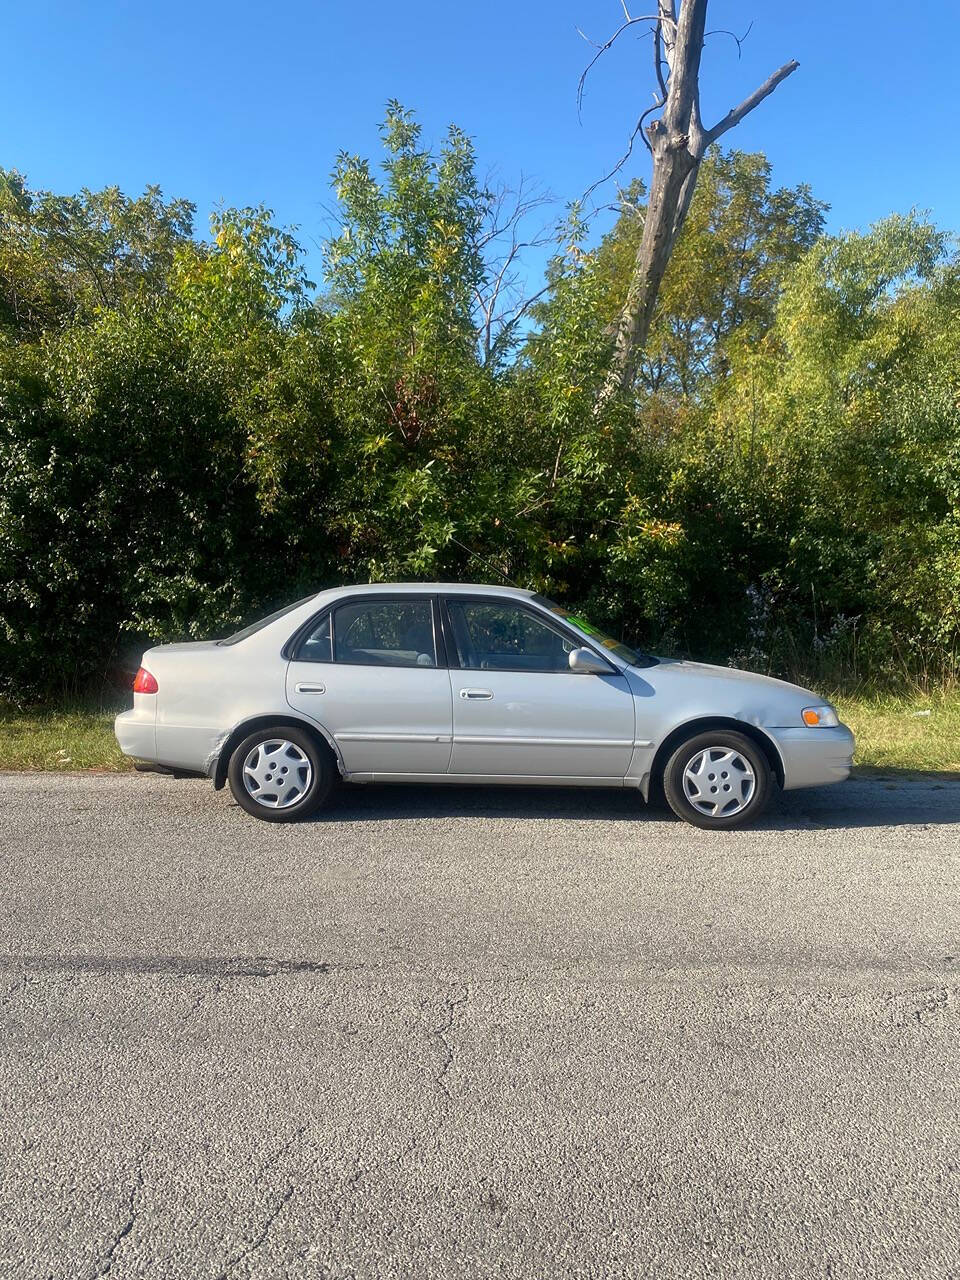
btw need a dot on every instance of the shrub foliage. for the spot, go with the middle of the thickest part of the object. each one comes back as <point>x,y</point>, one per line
<point>191,432</point>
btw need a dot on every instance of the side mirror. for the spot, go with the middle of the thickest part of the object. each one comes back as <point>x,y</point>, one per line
<point>587,661</point>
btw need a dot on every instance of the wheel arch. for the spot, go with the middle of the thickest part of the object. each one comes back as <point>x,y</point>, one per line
<point>252,723</point>
<point>690,728</point>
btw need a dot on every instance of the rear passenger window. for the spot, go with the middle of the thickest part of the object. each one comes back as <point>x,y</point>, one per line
<point>316,647</point>
<point>385,633</point>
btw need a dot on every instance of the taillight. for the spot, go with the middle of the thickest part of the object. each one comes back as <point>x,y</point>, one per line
<point>145,682</point>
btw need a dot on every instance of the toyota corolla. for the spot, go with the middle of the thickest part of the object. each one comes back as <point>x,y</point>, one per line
<point>469,684</point>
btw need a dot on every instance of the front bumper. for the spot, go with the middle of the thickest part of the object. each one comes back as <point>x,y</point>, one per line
<point>814,757</point>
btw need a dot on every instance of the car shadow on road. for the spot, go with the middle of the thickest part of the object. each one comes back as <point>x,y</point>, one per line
<point>881,801</point>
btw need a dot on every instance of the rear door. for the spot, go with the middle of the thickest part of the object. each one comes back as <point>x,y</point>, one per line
<point>518,709</point>
<point>372,671</point>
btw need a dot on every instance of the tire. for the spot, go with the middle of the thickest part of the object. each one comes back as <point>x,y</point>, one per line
<point>721,764</point>
<point>270,764</point>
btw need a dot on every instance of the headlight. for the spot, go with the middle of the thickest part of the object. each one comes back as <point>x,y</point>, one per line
<point>819,717</point>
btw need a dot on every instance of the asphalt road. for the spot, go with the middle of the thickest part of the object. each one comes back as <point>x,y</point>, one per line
<point>475,1033</point>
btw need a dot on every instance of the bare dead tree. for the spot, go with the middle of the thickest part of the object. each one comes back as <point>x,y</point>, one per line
<point>677,141</point>
<point>510,227</point>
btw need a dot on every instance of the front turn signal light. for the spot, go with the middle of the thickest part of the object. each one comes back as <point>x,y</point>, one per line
<point>819,717</point>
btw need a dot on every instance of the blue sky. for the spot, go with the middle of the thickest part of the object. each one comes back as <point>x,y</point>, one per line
<point>242,103</point>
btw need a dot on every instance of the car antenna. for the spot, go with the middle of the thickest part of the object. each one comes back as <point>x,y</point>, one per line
<point>484,561</point>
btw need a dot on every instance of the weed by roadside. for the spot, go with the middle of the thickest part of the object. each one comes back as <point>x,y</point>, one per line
<point>909,731</point>
<point>59,740</point>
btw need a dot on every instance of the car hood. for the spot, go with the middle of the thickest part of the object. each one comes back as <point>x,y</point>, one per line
<point>681,667</point>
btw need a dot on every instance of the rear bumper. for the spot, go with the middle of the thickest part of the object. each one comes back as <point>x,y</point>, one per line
<point>191,748</point>
<point>814,757</point>
<point>136,732</point>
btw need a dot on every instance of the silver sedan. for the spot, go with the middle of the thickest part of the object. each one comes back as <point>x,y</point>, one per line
<point>419,682</point>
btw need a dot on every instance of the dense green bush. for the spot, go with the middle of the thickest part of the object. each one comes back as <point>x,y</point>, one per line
<point>192,433</point>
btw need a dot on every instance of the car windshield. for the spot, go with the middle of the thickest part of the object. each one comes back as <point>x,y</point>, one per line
<point>623,651</point>
<point>254,627</point>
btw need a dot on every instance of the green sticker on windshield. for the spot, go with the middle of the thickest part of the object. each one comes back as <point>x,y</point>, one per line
<point>583,625</point>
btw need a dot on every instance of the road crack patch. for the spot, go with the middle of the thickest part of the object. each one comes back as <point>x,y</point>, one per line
<point>914,1008</point>
<point>105,1265</point>
<point>451,1005</point>
<point>14,987</point>
<point>258,1239</point>
<point>175,966</point>
<point>282,1150</point>
<point>203,993</point>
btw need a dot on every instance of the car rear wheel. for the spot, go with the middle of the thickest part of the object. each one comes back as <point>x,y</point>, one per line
<point>717,780</point>
<point>280,774</point>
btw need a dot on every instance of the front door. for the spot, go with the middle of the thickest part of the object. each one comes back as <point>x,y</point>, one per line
<point>518,709</point>
<point>369,674</point>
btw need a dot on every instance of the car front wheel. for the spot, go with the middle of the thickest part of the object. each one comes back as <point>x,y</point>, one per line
<point>717,780</point>
<point>280,774</point>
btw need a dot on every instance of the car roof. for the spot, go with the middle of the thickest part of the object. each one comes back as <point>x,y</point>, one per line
<point>420,588</point>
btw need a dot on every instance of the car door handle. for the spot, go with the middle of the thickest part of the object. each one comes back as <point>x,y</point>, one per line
<point>476,693</point>
<point>311,688</point>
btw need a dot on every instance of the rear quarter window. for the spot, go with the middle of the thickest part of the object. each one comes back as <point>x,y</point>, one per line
<point>254,627</point>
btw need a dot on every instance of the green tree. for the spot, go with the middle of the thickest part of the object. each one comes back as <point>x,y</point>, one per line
<point>392,353</point>
<point>66,258</point>
<point>739,243</point>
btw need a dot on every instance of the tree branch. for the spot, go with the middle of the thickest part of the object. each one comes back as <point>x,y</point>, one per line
<point>638,128</point>
<point>733,118</point>
<point>602,49</point>
<point>738,40</point>
<point>509,323</point>
<point>658,60</point>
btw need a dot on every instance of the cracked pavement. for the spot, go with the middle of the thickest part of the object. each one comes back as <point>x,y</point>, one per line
<point>477,1033</point>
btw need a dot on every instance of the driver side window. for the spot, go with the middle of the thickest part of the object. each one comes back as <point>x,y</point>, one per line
<point>501,636</point>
